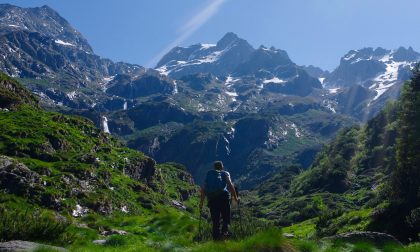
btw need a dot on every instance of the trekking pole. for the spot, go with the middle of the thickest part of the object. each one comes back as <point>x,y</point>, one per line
<point>199,226</point>
<point>239,211</point>
<point>240,218</point>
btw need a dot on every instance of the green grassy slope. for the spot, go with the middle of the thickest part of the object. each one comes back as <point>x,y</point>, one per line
<point>64,175</point>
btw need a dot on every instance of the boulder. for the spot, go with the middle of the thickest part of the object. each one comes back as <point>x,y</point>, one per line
<point>99,242</point>
<point>288,235</point>
<point>178,205</point>
<point>141,169</point>
<point>113,232</point>
<point>16,178</point>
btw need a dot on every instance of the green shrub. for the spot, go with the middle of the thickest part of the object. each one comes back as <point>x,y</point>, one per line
<point>324,221</point>
<point>32,225</point>
<point>411,248</point>
<point>363,247</point>
<point>269,240</point>
<point>306,246</point>
<point>116,240</point>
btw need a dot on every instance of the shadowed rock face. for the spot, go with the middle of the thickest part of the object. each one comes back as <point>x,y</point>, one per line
<point>16,178</point>
<point>142,169</point>
<point>140,87</point>
<point>12,94</point>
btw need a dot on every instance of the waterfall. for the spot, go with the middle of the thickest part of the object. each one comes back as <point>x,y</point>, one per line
<point>105,125</point>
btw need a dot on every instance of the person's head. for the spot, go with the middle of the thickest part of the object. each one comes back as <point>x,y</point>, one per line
<point>218,165</point>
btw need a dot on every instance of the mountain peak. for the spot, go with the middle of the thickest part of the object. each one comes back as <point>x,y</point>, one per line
<point>219,59</point>
<point>229,36</point>
<point>406,54</point>
<point>43,20</point>
<point>48,9</point>
<point>227,39</point>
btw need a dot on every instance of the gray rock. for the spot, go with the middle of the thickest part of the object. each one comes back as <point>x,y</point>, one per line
<point>178,205</point>
<point>113,232</point>
<point>141,169</point>
<point>99,242</point>
<point>16,178</point>
<point>12,246</point>
<point>288,235</point>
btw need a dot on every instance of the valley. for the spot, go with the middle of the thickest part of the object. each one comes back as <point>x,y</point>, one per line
<point>109,156</point>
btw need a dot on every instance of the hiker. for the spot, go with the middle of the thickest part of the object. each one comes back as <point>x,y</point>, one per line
<point>216,187</point>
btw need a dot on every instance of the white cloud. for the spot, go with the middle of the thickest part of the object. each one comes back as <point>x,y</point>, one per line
<point>190,27</point>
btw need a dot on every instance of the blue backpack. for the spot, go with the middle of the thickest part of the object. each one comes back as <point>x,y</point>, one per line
<point>215,183</point>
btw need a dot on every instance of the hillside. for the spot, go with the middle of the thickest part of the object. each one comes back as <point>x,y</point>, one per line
<point>63,166</point>
<point>349,174</point>
<point>351,185</point>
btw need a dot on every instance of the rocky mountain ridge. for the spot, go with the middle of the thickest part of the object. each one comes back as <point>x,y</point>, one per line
<point>372,77</point>
<point>207,97</point>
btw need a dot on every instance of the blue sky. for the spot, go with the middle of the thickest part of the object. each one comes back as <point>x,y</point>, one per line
<point>316,32</point>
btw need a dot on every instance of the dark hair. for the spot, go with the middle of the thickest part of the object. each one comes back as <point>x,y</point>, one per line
<point>218,165</point>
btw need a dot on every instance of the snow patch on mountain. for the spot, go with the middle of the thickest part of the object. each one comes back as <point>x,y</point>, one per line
<point>12,25</point>
<point>333,90</point>
<point>200,108</point>
<point>71,95</point>
<point>389,78</point>
<point>233,94</point>
<point>206,46</point>
<point>214,56</point>
<point>61,42</point>
<point>298,133</point>
<point>108,79</point>
<point>163,70</point>
<point>274,80</point>
<point>349,56</point>
<point>330,105</point>
<point>273,138</point>
<point>230,81</point>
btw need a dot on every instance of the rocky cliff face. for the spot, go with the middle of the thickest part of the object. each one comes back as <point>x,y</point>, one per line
<point>380,73</point>
<point>58,64</point>
<point>16,178</point>
<point>12,94</point>
<point>220,59</point>
<point>45,21</point>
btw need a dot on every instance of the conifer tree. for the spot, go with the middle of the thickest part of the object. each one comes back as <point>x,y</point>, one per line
<point>405,183</point>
